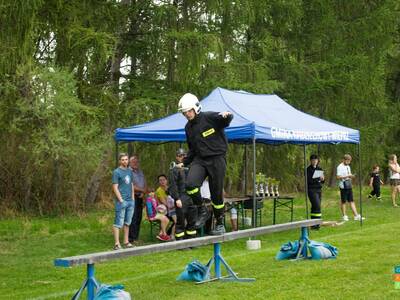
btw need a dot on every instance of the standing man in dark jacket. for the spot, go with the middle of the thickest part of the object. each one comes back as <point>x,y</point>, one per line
<point>314,185</point>
<point>140,186</point>
<point>186,211</point>
<point>207,143</point>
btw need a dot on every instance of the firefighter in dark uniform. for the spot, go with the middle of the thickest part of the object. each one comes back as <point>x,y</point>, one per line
<point>207,143</point>
<point>186,212</point>
<point>314,187</point>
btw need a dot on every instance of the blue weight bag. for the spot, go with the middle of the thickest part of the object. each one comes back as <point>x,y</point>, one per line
<point>321,250</point>
<point>109,292</point>
<point>288,251</point>
<point>194,271</point>
<point>318,250</point>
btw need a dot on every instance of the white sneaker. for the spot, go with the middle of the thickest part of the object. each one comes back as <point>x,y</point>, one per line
<point>345,218</point>
<point>358,218</point>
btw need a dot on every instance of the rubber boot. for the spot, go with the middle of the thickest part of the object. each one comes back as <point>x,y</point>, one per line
<point>219,226</point>
<point>202,216</point>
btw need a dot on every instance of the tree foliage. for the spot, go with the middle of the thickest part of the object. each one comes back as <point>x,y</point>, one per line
<point>73,71</point>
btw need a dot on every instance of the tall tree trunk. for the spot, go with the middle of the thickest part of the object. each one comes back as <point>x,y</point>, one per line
<point>93,185</point>
<point>332,175</point>
<point>57,183</point>
<point>173,24</point>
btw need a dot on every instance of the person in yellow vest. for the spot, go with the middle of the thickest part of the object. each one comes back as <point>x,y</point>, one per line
<point>164,198</point>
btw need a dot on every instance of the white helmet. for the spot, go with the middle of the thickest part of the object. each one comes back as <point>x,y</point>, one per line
<point>188,102</point>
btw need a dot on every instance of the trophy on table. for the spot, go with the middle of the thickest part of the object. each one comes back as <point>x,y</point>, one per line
<point>265,191</point>
<point>260,189</point>
<point>271,186</point>
<point>266,187</point>
<point>276,188</point>
<point>262,192</point>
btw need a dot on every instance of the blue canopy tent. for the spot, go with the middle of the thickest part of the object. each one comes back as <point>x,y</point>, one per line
<point>257,119</point>
<point>264,118</point>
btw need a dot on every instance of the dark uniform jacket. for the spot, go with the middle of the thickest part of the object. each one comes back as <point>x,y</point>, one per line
<point>177,187</point>
<point>376,179</point>
<point>205,135</point>
<point>313,183</point>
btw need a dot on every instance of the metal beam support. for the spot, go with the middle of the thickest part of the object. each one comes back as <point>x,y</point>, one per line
<point>218,260</point>
<point>90,284</point>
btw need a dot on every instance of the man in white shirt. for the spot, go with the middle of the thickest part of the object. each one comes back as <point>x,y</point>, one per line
<point>344,177</point>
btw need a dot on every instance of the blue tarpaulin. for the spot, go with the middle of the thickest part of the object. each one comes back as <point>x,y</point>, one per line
<point>266,118</point>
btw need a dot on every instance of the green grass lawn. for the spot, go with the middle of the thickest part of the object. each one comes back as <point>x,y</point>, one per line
<point>363,269</point>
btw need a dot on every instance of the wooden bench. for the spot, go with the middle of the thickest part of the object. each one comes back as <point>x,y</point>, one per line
<point>90,259</point>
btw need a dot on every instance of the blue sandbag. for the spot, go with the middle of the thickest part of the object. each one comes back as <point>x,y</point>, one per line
<point>109,292</point>
<point>320,250</point>
<point>288,251</point>
<point>194,271</point>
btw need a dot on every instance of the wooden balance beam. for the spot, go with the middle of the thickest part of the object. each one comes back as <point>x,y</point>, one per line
<point>90,259</point>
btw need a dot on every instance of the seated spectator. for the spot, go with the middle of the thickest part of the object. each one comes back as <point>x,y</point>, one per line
<point>161,192</point>
<point>163,198</point>
<point>157,212</point>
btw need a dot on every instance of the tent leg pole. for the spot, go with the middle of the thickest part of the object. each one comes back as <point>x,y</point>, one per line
<point>359,182</point>
<point>254,212</point>
<point>305,179</point>
<point>245,169</point>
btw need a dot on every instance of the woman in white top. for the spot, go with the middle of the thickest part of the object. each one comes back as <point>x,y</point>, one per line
<point>394,172</point>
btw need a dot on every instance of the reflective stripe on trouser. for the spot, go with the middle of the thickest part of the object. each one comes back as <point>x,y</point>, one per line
<point>179,235</point>
<point>218,206</point>
<point>191,232</point>
<point>192,191</point>
<point>316,215</point>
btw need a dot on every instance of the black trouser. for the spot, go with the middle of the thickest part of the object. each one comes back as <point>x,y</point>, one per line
<point>315,198</point>
<point>209,224</point>
<point>214,167</point>
<point>134,228</point>
<point>376,190</point>
<point>185,219</point>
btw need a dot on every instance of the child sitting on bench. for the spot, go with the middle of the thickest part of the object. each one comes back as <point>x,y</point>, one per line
<point>157,212</point>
